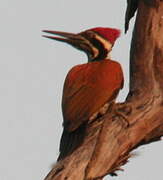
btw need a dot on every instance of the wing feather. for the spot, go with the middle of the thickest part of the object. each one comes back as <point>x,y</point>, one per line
<point>87,87</point>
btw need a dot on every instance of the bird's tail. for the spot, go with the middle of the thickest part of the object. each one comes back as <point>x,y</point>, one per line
<point>70,141</point>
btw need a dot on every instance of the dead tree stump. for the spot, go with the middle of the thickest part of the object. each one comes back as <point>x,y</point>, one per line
<point>110,139</point>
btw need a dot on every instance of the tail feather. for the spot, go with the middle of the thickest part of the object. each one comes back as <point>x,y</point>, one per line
<point>70,141</point>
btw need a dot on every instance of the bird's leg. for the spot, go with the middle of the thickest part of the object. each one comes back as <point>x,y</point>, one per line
<point>104,109</point>
<point>119,109</point>
<point>100,112</point>
<point>93,117</point>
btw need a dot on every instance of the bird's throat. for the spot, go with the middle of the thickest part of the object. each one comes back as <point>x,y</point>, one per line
<point>93,60</point>
<point>109,56</point>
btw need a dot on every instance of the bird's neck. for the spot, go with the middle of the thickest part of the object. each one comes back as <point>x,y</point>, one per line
<point>107,57</point>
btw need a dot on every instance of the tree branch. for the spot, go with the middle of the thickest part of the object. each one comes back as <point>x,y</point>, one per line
<point>109,140</point>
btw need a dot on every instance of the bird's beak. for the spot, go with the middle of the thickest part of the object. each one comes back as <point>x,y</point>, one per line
<point>76,40</point>
<point>69,38</point>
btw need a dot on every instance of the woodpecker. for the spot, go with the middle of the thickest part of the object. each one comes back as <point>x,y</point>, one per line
<point>90,88</point>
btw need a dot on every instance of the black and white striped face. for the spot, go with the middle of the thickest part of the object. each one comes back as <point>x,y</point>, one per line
<point>93,44</point>
<point>99,45</point>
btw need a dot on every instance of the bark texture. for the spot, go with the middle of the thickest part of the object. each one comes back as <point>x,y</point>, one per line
<point>110,139</point>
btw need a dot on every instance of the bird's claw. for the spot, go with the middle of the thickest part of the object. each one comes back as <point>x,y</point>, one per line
<point>123,111</point>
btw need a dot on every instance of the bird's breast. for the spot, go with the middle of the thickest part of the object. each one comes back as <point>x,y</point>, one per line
<point>103,73</point>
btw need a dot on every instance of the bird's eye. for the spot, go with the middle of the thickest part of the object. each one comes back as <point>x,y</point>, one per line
<point>91,34</point>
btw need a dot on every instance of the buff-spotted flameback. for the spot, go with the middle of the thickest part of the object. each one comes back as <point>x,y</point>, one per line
<point>90,88</point>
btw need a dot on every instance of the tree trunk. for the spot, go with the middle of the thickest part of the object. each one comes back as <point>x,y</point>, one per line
<point>110,139</point>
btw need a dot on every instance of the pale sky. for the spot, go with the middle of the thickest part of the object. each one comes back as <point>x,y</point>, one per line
<point>32,72</point>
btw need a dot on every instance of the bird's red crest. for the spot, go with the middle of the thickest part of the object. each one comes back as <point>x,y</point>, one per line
<point>111,34</point>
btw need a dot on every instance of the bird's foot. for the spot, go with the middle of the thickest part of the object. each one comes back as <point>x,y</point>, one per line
<point>125,120</point>
<point>123,111</point>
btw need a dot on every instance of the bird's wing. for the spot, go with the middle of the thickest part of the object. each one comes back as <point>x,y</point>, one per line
<point>87,88</point>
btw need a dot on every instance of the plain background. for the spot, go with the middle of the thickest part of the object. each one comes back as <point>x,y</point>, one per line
<point>32,72</point>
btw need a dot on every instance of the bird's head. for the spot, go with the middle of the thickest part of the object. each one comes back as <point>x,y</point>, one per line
<point>95,42</point>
